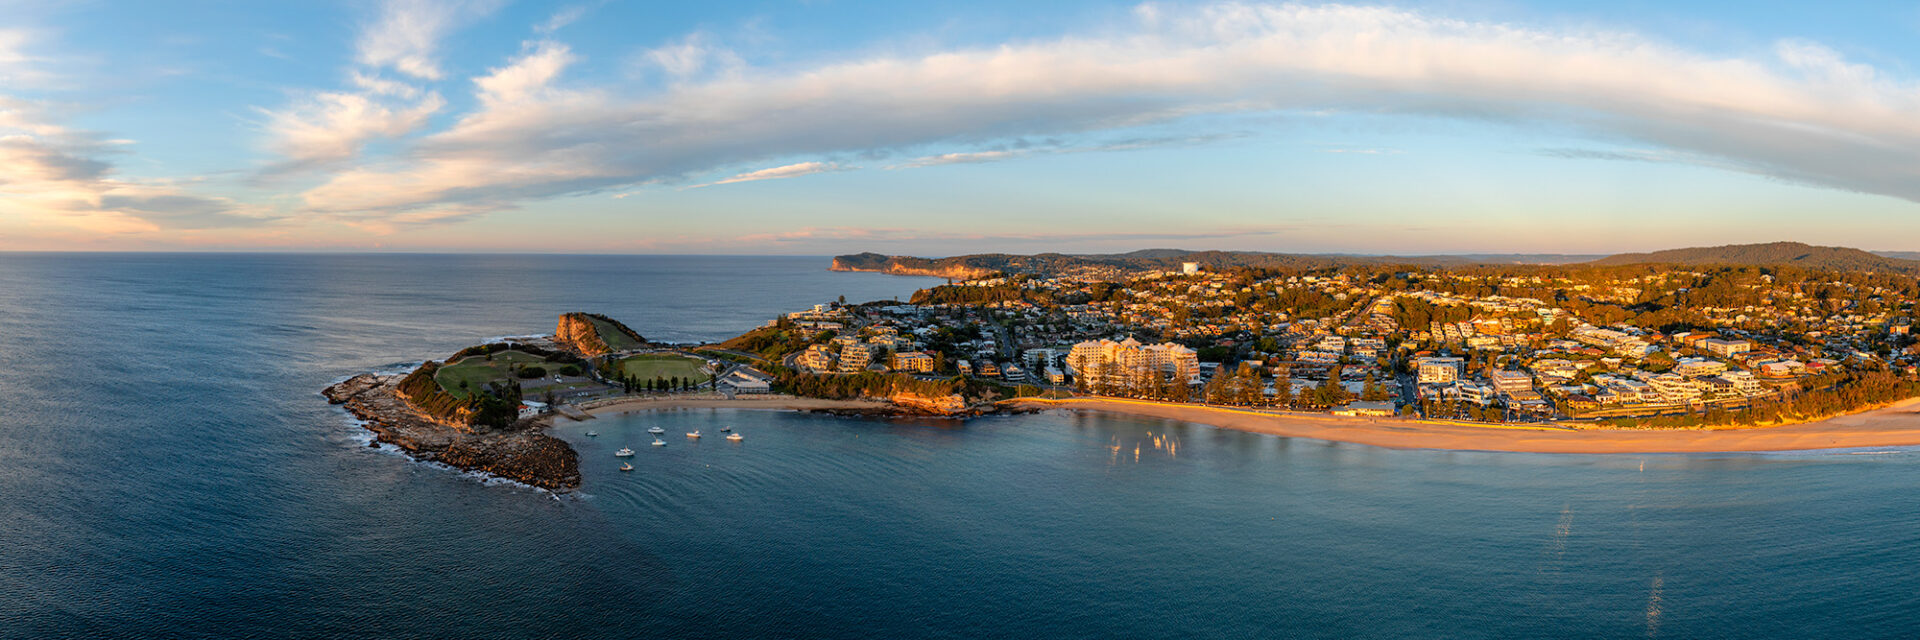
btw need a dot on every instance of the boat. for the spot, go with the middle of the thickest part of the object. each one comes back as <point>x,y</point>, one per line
<point>735,437</point>
<point>726,429</point>
<point>659,443</point>
<point>593,434</point>
<point>623,452</point>
<point>694,433</point>
<point>656,431</point>
<point>626,467</point>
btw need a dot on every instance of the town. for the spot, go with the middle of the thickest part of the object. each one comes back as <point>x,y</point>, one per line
<point>1634,344</point>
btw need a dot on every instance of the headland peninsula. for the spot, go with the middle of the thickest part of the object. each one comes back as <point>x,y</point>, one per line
<point>1769,347</point>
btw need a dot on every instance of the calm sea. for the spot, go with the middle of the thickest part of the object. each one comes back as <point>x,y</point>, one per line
<point>168,470</point>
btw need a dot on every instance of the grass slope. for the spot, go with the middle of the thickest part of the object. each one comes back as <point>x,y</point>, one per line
<point>477,371</point>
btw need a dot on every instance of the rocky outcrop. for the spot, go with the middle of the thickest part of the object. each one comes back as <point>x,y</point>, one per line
<point>586,333</point>
<point>950,404</point>
<point>520,453</point>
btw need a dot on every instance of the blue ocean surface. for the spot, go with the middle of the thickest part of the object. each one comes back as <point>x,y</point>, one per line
<point>167,469</point>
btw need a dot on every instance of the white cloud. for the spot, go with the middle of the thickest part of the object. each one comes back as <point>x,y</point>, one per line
<point>691,55</point>
<point>1803,113</point>
<point>406,35</point>
<point>332,126</point>
<point>560,19</point>
<point>786,171</point>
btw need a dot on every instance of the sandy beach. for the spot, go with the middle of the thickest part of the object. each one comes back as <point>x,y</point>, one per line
<point>1895,425</point>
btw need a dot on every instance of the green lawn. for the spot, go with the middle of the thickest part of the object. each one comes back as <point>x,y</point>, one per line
<point>656,365</point>
<point>616,339</point>
<point>477,371</point>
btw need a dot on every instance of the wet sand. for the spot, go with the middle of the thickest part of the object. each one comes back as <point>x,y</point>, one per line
<point>1891,426</point>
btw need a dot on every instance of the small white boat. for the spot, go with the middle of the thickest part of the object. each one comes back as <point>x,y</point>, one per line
<point>623,453</point>
<point>659,443</point>
<point>593,434</point>
<point>656,431</point>
<point>693,434</point>
<point>626,467</point>
<point>735,437</point>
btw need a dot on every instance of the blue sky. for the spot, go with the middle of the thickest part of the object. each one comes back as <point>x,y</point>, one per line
<point>938,128</point>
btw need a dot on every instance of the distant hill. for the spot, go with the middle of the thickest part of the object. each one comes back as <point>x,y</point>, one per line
<point>1774,253</point>
<point>977,265</point>
<point>981,264</point>
<point>1899,255</point>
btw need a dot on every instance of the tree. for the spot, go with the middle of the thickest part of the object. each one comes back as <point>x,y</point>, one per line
<point>1373,392</point>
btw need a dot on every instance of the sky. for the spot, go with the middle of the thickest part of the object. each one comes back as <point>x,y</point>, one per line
<point>940,128</point>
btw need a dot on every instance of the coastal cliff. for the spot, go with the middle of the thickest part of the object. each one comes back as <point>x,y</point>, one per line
<point>592,334</point>
<point>519,453</point>
<point>910,266</point>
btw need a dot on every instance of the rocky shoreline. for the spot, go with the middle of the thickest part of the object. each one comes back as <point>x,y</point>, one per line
<point>521,453</point>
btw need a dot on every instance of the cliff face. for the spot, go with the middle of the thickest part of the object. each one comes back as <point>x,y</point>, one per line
<point>522,455</point>
<point>946,405</point>
<point>592,334</point>
<point>908,266</point>
<point>577,332</point>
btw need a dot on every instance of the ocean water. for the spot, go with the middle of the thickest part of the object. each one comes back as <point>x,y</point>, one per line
<point>167,469</point>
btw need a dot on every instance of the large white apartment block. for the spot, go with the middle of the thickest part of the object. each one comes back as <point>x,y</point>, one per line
<point>1121,363</point>
<point>1439,370</point>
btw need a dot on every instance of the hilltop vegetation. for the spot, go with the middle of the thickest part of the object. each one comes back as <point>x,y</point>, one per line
<point>1771,254</point>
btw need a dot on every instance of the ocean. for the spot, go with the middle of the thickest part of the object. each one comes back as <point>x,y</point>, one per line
<point>168,469</point>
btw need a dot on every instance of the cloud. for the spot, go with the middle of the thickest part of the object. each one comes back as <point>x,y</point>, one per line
<point>1022,150</point>
<point>560,19</point>
<point>333,126</point>
<point>691,55</point>
<point>407,33</point>
<point>53,175</point>
<point>776,173</point>
<point>1801,113</point>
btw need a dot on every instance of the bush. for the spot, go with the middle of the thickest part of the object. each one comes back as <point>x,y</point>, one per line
<point>532,372</point>
<point>570,370</point>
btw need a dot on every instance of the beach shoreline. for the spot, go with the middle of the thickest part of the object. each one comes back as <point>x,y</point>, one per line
<point>1895,425</point>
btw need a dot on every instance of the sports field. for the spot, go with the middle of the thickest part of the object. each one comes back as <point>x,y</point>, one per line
<point>660,365</point>
<point>477,371</point>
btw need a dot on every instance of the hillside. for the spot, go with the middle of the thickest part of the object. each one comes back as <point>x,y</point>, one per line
<point>1775,253</point>
<point>979,265</point>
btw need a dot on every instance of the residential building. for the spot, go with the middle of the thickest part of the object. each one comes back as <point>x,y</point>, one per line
<point>1439,370</point>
